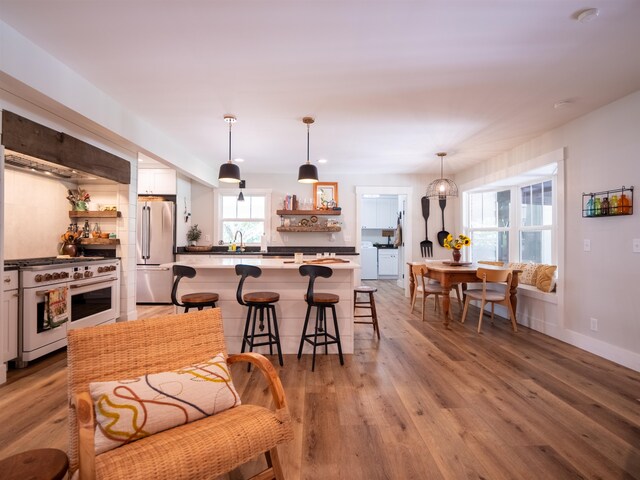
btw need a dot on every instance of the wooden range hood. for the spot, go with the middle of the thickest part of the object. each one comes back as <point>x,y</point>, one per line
<point>30,138</point>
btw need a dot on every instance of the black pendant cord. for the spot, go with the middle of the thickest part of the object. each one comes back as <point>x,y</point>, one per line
<point>307,143</point>
<point>441,166</point>
<point>230,141</point>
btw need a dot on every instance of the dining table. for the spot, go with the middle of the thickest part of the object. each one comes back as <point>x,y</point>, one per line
<point>450,274</point>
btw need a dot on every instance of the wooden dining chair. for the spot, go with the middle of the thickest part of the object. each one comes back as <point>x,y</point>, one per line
<point>423,288</point>
<point>501,277</point>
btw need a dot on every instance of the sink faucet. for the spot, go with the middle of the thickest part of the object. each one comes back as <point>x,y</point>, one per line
<point>236,236</point>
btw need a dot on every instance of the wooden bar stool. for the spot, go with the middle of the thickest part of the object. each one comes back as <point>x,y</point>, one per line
<point>321,301</point>
<point>190,300</point>
<point>258,302</point>
<point>371,305</point>
<point>39,464</point>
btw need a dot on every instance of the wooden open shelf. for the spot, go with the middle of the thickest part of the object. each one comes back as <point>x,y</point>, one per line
<point>94,214</point>
<point>309,229</point>
<point>100,241</point>
<point>308,212</point>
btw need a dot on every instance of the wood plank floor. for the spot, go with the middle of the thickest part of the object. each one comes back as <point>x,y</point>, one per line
<point>421,403</point>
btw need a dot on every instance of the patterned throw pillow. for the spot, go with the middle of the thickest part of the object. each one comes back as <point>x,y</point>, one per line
<point>128,410</point>
<point>529,274</point>
<point>546,280</point>
<point>517,266</point>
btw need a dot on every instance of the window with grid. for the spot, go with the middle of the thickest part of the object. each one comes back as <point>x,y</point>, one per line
<point>512,224</point>
<point>248,216</point>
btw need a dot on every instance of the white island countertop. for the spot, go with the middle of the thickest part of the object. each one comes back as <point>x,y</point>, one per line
<point>265,263</point>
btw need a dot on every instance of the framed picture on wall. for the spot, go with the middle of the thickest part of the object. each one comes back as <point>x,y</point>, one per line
<point>325,195</point>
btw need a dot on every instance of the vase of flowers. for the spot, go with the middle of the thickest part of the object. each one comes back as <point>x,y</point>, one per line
<point>79,199</point>
<point>69,243</point>
<point>455,244</point>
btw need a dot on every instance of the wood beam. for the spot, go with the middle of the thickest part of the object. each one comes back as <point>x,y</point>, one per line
<point>30,138</point>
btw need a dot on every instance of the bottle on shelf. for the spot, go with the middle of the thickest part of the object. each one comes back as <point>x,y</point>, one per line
<point>604,206</point>
<point>623,204</point>
<point>589,207</point>
<point>95,233</point>
<point>86,230</point>
<point>596,207</point>
<point>613,205</point>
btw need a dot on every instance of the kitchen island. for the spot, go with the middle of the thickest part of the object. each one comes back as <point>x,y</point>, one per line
<point>281,276</point>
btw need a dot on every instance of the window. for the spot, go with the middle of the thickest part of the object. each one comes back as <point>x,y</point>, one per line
<point>512,224</point>
<point>248,216</point>
<point>536,220</point>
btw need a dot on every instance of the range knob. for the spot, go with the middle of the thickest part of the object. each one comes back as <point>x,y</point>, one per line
<point>38,278</point>
<point>47,277</point>
<point>56,275</point>
<point>64,275</point>
<point>101,269</point>
<point>88,274</point>
<point>77,275</point>
<point>112,268</point>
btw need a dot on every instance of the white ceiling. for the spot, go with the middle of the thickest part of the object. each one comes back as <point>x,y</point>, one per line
<point>390,83</point>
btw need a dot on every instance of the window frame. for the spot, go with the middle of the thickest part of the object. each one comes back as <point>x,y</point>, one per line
<point>247,192</point>
<point>515,215</point>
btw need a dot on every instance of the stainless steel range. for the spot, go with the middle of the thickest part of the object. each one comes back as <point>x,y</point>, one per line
<point>60,294</point>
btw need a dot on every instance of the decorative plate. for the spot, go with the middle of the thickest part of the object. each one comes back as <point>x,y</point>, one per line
<point>304,222</point>
<point>314,219</point>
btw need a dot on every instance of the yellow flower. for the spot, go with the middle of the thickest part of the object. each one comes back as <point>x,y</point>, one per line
<point>447,246</point>
<point>467,242</point>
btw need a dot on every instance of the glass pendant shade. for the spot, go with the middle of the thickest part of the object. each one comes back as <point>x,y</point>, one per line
<point>308,173</point>
<point>229,172</point>
<point>442,187</point>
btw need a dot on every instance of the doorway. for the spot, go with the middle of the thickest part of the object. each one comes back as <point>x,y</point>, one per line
<point>381,213</point>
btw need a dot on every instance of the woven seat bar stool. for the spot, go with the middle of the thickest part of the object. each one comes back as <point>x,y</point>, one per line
<point>322,302</point>
<point>258,303</point>
<point>371,305</point>
<point>190,300</point>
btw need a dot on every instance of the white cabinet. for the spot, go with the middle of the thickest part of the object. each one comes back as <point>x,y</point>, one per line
<point>157,181</point>
<point>388,262</point>
<point>9,320</point>
<point>379,213</point>
<point>386,212</point>
<point>369,213</point>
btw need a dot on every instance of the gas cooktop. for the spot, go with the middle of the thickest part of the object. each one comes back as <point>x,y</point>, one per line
<point>34,262</point>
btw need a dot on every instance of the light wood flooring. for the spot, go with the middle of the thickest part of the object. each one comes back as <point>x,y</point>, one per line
<point>421,403</point>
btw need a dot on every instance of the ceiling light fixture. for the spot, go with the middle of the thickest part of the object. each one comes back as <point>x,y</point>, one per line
<point>229,172</point>
<point>308,173</point>
<point>241,186</point>
<point>588,15</point>
<point>442,187</point>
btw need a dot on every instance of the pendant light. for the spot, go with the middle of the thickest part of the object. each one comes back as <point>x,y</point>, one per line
<point>229,172</point>
<point>308,173</point>
<point>241,186</point>
<point>443,187</point>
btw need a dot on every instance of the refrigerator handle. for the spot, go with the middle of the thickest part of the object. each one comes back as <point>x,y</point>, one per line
<point>146,227</point>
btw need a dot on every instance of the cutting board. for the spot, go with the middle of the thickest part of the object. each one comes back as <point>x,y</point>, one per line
<point>320,261</point>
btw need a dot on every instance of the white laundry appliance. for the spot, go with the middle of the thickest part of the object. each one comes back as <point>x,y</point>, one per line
<point>368,261</point>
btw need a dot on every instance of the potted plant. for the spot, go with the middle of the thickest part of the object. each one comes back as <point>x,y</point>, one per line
<point>194,234</point>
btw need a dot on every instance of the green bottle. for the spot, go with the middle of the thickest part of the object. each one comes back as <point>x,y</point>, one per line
<point>596,207</point>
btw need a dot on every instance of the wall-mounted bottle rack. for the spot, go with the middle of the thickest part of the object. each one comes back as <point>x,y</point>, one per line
<point>609,203</point>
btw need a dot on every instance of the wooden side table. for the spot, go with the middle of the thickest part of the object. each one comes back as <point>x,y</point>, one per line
<point>40,464</point>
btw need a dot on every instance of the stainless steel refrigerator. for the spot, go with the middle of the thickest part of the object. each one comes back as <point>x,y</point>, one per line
<point>156,235</point>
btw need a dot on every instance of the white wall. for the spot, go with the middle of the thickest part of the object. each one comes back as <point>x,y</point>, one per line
<point>601,153</point>
<point>204,211</point>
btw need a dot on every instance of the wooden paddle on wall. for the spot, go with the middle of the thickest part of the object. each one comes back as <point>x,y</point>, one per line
<point>442,234</point>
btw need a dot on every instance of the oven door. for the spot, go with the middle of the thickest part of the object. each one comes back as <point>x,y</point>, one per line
<point>36,341</point>
<point>94,302</point>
